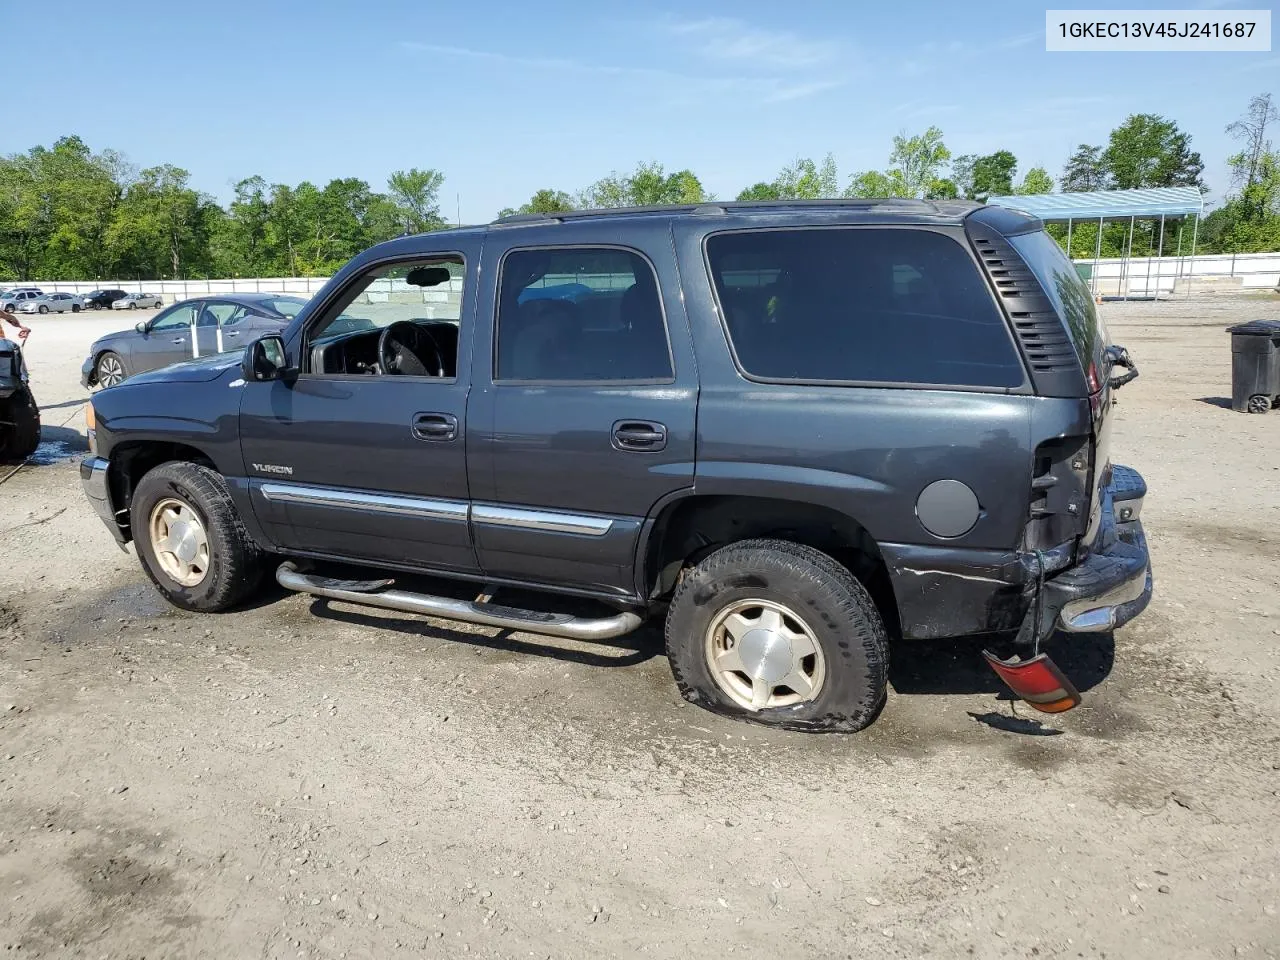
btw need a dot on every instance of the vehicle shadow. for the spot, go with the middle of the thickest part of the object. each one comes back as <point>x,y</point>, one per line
<point>958,666</point>
<point>57,445</point>
<point>1223,402</point>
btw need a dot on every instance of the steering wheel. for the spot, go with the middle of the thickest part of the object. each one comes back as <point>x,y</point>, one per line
<point>405,348</point>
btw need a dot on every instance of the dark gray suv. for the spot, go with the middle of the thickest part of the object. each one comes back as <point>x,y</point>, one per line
<point>794,429</point>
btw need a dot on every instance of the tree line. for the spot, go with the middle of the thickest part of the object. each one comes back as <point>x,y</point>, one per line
<point>69,213</point>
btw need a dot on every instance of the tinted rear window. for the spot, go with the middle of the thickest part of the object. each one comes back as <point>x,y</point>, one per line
<point>876,305</point>
<point>1066,290</point>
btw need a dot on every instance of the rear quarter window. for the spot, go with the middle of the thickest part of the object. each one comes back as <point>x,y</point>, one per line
<point>1065,289</point>
<point>877,305</point>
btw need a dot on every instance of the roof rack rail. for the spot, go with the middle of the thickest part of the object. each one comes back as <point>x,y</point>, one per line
<point>721,208</point>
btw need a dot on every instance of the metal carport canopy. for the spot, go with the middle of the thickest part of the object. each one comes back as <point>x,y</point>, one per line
<point>1108,204</point>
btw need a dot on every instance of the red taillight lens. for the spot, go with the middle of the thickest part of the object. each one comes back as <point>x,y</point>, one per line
<point>1094,383</point>
<point>1038,681</point>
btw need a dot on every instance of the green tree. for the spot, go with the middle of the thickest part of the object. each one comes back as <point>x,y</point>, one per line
<point>163,227</point>
<point>542,201</point>
<point>873,183</point>
<point>992,176</point>
<point>1037,180</point>
<point>1150,151</point>
<point>415,194</point>
<point>648,185</point>
<point>915,168</point>
<point>802,179</point>
<point>1084,171</point>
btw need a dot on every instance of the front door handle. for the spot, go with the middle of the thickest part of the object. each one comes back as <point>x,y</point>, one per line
<point>435,426</point>
<point>643,436</point>
<point>179,340</point>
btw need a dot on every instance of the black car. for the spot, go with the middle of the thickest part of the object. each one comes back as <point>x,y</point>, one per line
<point>101,299</point>
<point>791,429</point>
<point>190,328</point>
<point>19,415</point>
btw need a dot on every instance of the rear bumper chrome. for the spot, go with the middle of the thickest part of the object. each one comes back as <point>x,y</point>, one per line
<point>1113,583</point>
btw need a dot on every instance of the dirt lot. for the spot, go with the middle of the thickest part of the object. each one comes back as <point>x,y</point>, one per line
<point>301,780</point>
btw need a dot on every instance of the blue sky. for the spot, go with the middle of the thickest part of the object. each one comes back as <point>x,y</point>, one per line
<point>505,98</point>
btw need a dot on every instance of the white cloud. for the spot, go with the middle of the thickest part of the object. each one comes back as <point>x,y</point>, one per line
<point>725,38</point>
<point>683,86</point>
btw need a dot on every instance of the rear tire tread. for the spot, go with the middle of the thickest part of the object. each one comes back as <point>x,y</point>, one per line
<point>832,583</point>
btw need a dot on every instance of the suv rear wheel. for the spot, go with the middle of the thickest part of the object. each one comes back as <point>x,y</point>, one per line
<point>190,538</point>
<point>780,634</point>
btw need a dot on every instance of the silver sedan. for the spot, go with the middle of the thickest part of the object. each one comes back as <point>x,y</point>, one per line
<point>53,303</point>
<point>136,301</point>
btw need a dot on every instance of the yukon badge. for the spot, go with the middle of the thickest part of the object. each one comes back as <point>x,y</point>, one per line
<point>273,468</point>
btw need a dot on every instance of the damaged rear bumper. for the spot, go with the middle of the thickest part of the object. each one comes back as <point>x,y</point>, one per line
<point>1111,584</point>
<point>949,592</point>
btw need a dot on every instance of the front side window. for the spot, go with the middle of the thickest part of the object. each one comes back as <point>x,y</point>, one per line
<point>178,318</point>
<point>877,305</point>
<point>401,319</point>
<point>580,314</point>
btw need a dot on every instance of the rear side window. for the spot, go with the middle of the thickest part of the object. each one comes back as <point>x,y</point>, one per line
<point>1065,289</point>
<point>871,305</point>
<point>580,314</point>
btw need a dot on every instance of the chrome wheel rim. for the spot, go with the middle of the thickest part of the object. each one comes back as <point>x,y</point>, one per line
<point>179,542</point>
<point>110,371</point>
<point>761,654</point>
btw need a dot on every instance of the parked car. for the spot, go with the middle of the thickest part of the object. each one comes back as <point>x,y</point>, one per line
<point>136,301</point>
<point>53,303</point>
<point>12,300</point>
<point>166,338</point>
<point>19,415</point>
<point>102,298</point>
<point>790,429</point>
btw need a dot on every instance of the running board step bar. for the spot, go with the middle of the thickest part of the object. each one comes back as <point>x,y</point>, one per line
<point>370,594</point>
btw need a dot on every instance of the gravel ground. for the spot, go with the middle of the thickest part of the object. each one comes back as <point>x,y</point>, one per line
<point>310,780</point>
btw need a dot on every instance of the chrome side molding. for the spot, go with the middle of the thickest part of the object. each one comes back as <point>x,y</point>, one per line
<point>545,521</point>
<point>360,500</point>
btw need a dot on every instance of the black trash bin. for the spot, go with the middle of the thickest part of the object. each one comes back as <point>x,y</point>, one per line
<point>1255,365</point>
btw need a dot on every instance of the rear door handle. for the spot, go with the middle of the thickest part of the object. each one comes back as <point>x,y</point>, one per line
<point>179,340</point>
<point>435,426</point>
<point>639,436</point>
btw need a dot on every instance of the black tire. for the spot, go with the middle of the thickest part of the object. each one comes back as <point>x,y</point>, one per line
<point>42,308</point>
<point>158,304</point>
<point>133,305</point>
<point>1259,403</point>
<point>75,308</point>
<point>837,609</point>
<point>235,563</point>
<point>20,441</point>
<point>105,359</point>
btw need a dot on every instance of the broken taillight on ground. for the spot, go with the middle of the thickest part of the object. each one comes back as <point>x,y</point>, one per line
<point>1038,681</point>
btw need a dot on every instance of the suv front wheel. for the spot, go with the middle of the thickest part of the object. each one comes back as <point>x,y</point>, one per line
<point>780,634</point>
<point>190,538</point>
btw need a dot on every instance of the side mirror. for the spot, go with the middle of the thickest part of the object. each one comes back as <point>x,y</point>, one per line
<point>265,359</point>
<point>141,326</point>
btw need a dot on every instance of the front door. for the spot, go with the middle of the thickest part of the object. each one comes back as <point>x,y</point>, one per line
<point>167,339</point>
<point>362,456</point>
<point>584,413</point>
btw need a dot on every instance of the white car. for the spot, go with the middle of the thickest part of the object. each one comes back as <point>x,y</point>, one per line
<point>136,301</point>
<point>16,297</point>
<point>53,303</point>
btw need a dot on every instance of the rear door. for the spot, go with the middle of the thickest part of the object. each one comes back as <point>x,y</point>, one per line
<point>583,411</point>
